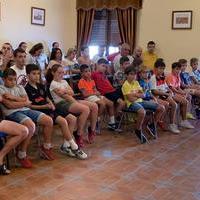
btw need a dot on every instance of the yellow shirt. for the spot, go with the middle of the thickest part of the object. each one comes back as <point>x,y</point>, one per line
<point>129,88</point>
<point>149,59</point>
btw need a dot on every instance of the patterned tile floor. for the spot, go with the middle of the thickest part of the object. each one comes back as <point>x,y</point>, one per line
<point>118,168</point>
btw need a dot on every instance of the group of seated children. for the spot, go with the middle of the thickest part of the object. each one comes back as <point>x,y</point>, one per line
<point>55,103</point>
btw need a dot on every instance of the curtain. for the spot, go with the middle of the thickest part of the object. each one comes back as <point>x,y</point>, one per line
<point>85,20</point>
<point>127,25</point>
<point>108,4</point>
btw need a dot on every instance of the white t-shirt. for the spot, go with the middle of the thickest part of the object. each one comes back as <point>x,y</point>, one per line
<point>117,60</point>
<point>58,85</point>
<point>161,86</point>
<point>21,75</point>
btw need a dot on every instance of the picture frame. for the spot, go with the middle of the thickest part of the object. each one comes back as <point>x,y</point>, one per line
<point>38,16</point>
<point>182,19</point>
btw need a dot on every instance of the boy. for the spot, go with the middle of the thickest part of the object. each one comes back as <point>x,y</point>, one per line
<point>15,108</point>
<point>133,95</point>
<point>19,67</point>
<point>119,76</point>
<point>40,101</point>
<point>180,96</point>
<point>105,88</point>
<point>195,71</point>
<point>88,89</point>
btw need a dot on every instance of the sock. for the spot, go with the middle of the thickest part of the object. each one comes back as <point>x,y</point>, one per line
<point>112,120</point>
<point>66,144</point>
<point>47,145</point>
<point>21,154</point>
<point>73,145</point>
<point>99,119</point>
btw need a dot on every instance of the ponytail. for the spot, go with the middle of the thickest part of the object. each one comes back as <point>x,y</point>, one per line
<point>49,74</point>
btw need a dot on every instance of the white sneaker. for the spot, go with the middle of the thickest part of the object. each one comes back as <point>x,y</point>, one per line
<point>186,124</point>
<point>80,154</point>
<point>173,128</point>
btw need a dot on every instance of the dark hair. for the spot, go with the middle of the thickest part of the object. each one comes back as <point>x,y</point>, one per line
<point>9,72</point>
<point>35,48</point>
<point>31,67</point>
<point>130,69</point>
<point>151,43</point>
<point>84,47</point>
<point>193,60</point>
<point>1,52</point>
<point>20,44</point>
<point>18,50</point>
<point>123,59</point>
<point>49,75</point>
<point>54,52</point>
<point>53,44</point>
<point>176,65</point>
<point>102,61</point>
<point>159,63</point>
<point>83,67</point>
<point>182,61</point>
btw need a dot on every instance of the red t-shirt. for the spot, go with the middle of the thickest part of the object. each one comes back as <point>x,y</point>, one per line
<point>102,83</point>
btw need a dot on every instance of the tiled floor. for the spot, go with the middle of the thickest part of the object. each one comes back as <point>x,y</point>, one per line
<point>118,168</point>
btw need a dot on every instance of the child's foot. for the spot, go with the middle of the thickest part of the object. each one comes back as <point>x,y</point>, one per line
<point>152,129</point>
<point>190,116</point>
<point>162,125</point>
<point>4,170</point>
<point>186,124</point>
<point>173,128</point>
<point>141,136</point>
<point>24,162</point>
<point>79,140</point>
<point>67,151</point>
<point>80,154</point>
<point>46,153</point>
<point>114,127</point>
<point>91,136</point>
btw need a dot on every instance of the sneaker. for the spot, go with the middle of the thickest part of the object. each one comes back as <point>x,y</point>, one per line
<point>24,162</point>
<point>80,154</point>
<point>190,116</point>
<point>162,125</point>
<point>141,136</point>
<point>91,136</point>
<point>186,124</point>
<point>46,153</point>
<point>152,129</point>
<point>67,151</point>
<point>4,170</point>
<point>197,110</point>
<point>79,140</point>
<point>114,127</point>
<point>173,128</point>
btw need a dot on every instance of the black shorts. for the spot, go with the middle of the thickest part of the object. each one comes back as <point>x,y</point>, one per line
<point>62,108</point>
<point>52,113</point>
<point>114,96</point>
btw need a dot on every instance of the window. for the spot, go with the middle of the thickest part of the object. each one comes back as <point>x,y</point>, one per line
<point>105,31</point>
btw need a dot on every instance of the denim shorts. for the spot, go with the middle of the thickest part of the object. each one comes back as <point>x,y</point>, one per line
<point>147,105</point>
<point>21,116</point>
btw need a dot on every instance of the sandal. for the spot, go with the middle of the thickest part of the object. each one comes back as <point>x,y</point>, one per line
<point>4,170</point>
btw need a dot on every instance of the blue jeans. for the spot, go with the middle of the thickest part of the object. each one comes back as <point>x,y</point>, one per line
<point>21,116</point>
<point>147,105</point>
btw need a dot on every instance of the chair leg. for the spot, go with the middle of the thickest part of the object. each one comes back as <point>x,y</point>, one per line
<point>120,121</point>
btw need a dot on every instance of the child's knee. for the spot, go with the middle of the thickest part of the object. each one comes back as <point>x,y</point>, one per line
<point>46,121</point>
<point>24,132</point>
<point>71,119</point>
<point>30,126</point>
<point>141,112</point>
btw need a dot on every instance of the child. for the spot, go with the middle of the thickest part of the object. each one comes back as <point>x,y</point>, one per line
<point>106,89</point>
<point>133,95</point>
<point>180,96</point>
<point>62,95</point>
<point>17,133</point>
<point>40,101</point>
<point>90,93</point>
<point>15,108</point>
<point>195,71</point>
<point>119,76</point>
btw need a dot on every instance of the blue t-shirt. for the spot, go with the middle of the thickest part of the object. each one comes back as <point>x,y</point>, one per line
<point>147,87</point>
<point>186,78</point>
<point>196,74</point>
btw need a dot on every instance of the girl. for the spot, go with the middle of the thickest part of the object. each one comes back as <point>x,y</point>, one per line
<point>62,95</point>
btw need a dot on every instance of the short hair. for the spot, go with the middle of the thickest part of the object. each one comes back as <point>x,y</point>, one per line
<point>102,61</point>
<point>36,47</point>
<point>159,63</point>
<point>83,67</point>
<point>9,72</point>
<point>53,44</point>
<point>176,65</point>
<point>31,67</point>
<point>151,43</point>
<point>1,52</point>
<point>130,69</point>
<point>143,68</point>
<point>69,51</point>
<point>182,61</point>
<point>20,44</point>
<point>193,60</point>
<point>18,50</point>
<point>123,59</point>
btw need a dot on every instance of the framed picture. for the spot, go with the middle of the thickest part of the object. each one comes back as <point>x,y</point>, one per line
<point>38,16</point>
<point>182,19</point>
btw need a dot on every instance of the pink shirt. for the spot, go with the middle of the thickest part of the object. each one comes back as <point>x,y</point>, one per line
<point>173,80</point>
